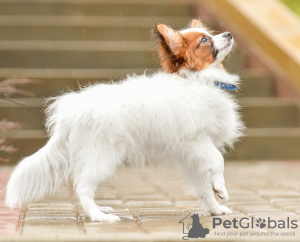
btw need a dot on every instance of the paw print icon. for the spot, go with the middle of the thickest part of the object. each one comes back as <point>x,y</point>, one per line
<point>261,223</point>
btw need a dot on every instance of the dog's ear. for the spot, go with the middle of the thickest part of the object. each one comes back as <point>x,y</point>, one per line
<point>196,23</point>
<point>171,38</point>
<point>171,47</point>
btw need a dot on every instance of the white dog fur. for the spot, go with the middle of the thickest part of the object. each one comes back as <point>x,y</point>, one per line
<point>181,118</point>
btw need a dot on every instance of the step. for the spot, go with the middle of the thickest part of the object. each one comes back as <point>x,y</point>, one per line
<point>103,8</point>
<point>80,46</point>
<point>90,21</point>
<point>26,141</point>
<point>82,28</point>
<point>268,144</point>
<point>270,112</point>
<point>259,144</point>
<point>28,112</point>
<point>54,81</point>
<point>74,33</point>
<point>78,59</point>
<point>235,60</point>
<point>73,54</point>
<point>257,113</point>
<point>256,83</point>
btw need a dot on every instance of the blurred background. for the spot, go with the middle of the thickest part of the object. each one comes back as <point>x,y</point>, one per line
<point>51,46</point>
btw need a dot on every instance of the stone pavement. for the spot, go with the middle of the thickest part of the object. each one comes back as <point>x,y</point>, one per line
<point>152,201</point>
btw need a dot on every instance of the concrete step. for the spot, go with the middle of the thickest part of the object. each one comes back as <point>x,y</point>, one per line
<point>270,112</point>
<point>268,144</point>
<point>90,21</point>
<point>235,61</point>
<point>54,81</point>
<point>257,113</point>
<point>75,33</point>
<point>45,45</point>
<point>77,54</point>
<point>258,144</point>
<point>82,28</point>
<point>256,83</point>
<point>103,8</point>
<point>26,141</point>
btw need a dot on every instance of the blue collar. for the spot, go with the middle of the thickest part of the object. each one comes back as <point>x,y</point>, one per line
<point>225,86</point>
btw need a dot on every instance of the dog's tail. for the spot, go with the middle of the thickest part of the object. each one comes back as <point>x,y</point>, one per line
<point>40,174</point>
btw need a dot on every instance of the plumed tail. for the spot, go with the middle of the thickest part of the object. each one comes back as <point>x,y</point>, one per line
<point>38,175</point>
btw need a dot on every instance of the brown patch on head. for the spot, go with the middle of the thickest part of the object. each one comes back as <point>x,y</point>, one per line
<point>177,51</point>
<point>200,54</point>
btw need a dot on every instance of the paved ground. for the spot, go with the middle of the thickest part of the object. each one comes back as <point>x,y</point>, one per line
<point>151,203</point>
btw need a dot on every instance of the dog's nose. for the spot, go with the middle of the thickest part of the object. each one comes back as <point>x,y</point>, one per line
<point>227,35</point>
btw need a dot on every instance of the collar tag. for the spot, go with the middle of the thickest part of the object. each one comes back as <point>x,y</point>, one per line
<point>225,86</point>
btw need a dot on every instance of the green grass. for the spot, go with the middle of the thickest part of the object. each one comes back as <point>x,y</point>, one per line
<point>294,5</point>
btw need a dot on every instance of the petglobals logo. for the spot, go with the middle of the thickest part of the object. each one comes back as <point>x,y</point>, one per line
<point>246,223</point>
<point>237,227</point>
<point>192,228</point>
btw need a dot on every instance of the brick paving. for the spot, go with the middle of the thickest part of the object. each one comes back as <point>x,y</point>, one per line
<point>152,201</point>
<point>9,218</point>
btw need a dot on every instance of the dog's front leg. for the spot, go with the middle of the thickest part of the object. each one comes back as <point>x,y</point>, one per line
<point>203,168</point>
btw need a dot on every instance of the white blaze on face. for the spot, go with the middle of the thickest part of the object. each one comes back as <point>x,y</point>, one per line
<point>223,45</point>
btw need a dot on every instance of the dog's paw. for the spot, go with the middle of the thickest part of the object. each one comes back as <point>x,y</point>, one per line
<point>106,209</point>
<point>221,192</point>
<point>221,210</point>
<point>110,218</point>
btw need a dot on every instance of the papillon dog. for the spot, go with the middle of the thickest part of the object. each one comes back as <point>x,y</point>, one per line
<point>182,115</point>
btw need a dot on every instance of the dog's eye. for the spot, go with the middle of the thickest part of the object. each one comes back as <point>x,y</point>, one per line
<point>204,39</point>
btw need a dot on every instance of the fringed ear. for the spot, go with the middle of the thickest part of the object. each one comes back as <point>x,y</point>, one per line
<point>171,37</point>
<point>171,45</point>
<point>196,23</point>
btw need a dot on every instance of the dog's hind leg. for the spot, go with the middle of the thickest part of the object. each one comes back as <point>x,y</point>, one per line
<point>95,167</point>
<point>86,191</point>
<point>203,168</point>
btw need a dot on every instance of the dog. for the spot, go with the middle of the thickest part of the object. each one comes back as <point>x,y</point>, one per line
<point>180,115</point>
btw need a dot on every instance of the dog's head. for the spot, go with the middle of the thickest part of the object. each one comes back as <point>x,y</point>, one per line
<point>194,48</point>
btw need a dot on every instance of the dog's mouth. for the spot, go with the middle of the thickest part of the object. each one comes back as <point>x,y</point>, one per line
<point>226,48</point>
<point>229,45</point>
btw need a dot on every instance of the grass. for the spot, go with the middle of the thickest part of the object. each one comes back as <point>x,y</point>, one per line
<point>294,5</point>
